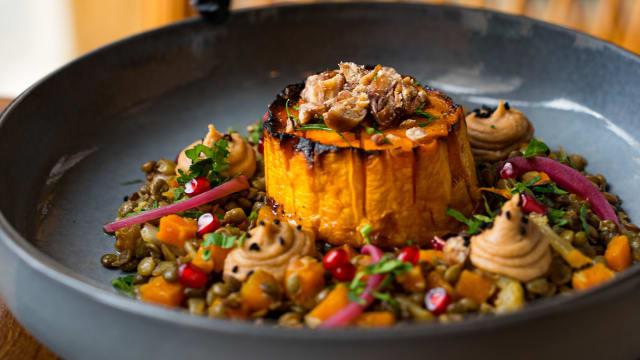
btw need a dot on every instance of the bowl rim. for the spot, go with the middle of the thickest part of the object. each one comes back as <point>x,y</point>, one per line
<point>47,266</point>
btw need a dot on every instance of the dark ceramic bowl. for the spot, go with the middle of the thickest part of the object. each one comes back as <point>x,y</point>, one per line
<point>69,144</point>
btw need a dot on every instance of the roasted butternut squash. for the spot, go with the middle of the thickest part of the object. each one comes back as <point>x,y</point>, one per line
<point>160,291</point>
<point>335,182</point>
<point>618,254</point>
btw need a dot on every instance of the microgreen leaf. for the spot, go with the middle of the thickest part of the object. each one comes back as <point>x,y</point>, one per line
<point>218,239</point>
<point>376,129</point>
<point>535,146</point>
<point>419,112</point>
<point>253,215</point>
<point>487,208</point>
<point>473,224</point>
<point>555,217</point>
<point>388,265</point>
<point>583,220</point>
<point>322,127</point>
<point>124,284</point>
<point>365,231</point>
<point>423,124</point>
<point>295,118</point>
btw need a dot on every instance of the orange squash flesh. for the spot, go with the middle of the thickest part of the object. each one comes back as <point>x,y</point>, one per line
<point>318,180</point>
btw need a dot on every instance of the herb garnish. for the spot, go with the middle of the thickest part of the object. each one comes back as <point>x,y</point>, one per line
<point>430,117</point>
<point>365,231</point>
<point>369,130</point>
<point>256,133</point>
<point>211,166</point>
<point>583,220</point>
<point>375,77</point>
<point>124,284</point>
<point>323,127</point>
<point>295,118</point>
<point>555,217</point>
<point>220,240</point>
<point>389,266</point>
<point>192,214</point>
<point>423,124</point>
<point>178,194</point>
<point>253,215</point>
<point>473,224</point>
<point>487,208</point>
<point>375,128</point>
<point>535,146</point>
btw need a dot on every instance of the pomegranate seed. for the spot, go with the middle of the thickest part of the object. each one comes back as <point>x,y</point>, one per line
<point>191,276</point>
<point>437,300</point>
<point>344,272</point>
<point>410,254</point>
<point>507,171</point>
<point>261,146</point>
<point>265,117</point>
<point>437,243</point>
<point>531,204</point>
<point>335,258</point>
<point>207,223</point>
<point>196,186</point>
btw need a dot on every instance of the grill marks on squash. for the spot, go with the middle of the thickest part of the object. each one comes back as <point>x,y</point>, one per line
<point>402,192</point>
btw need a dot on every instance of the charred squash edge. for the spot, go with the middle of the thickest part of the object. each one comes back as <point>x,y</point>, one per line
<point>311,148</point>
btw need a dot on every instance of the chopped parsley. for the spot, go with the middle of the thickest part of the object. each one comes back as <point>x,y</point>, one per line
<point>365,231</point>
<point>216,161</point>
<point>375,77</point>
<point>423,124</point>
<point>417,83</point>
<point>535,146</point>
<point>220,240</point>
<point>430,117</point>
<point>178,194</point>
<point>369,130</point>
<point>124,284</point>
<point>473,224</point>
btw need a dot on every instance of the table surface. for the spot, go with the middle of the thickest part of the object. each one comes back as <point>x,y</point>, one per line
<point>15,341</point>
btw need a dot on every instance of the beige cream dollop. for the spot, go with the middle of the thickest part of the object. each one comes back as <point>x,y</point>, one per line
<point>492,138</point>
<point>513,246</point>
<point>242,158</point>
<point>269,247</point>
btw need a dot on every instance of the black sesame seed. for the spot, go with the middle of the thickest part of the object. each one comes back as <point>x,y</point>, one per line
<point>299,227</point>
<point>235,269</point>
<point>281,241</point>
<point>467,241</point>
<point>506,106</point>
<point>254,247</point>
<point>523,230</point>
<point>525,219</point>
<point>508,215</point>
<point>247,235</point>
<point>498,212</point>
<point>126,197</point>
<point>261,223</point>
<point>519,200</point>
<point>490,225</point>
<point>276,221</point>
<point>250,273</point>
